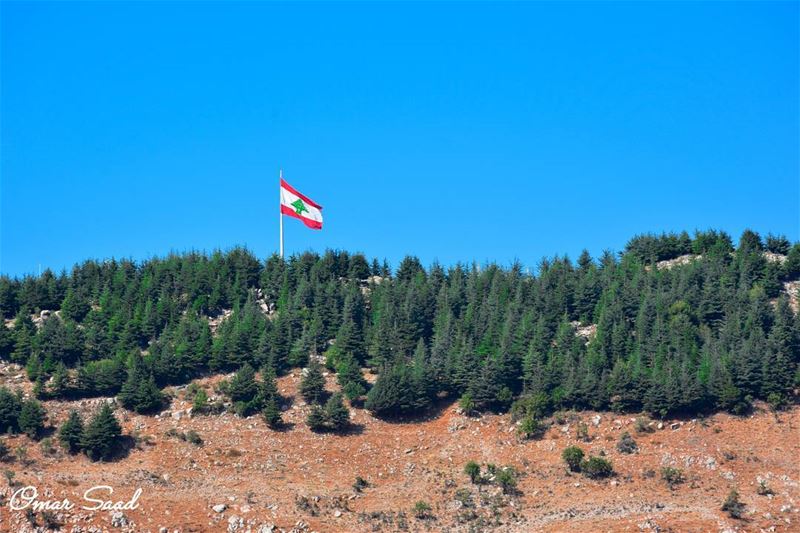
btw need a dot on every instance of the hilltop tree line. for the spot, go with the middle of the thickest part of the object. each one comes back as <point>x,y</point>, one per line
<point>715,333</point>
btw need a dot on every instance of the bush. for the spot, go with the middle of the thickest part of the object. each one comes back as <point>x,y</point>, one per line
<point>506,479</point>
<point>626,444</point>
<point>530,428</point>
<point>596,468</point>
<point>422,510</point>
<point>583,432</point>
<point>193,437</point>
<point>573,456</point>
<point>467,404</point>
<point>642,425</point>
<point>200,402</point>
<point>763,489</point>
<point>732,505</point>
<point>360,484</point>
<point>47,446</point>
<point>473,470</point>
<point>672,476</point>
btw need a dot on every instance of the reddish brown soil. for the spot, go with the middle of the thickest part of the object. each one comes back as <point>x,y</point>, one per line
<point>302,480</point>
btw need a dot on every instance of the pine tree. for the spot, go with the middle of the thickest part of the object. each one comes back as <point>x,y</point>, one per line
<point>242,387</point>
<point>312,386</point>
<point>316,418</point>
<point>10,406</point>
<point>101,435</point>
<point>337,415</point>
<point>272,414</point>
<point>349,376</point>
<point>71,432</point>
<point>31,418</point>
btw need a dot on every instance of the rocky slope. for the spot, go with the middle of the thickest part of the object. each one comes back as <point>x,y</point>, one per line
<point>246,477</point>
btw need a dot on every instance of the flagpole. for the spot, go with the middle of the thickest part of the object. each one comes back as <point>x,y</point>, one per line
<point>280,216</point>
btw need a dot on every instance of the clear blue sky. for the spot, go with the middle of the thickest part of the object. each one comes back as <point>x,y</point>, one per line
<point>455,132</point>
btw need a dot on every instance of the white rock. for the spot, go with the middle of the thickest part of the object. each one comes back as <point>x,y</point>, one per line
<point>219,508</point>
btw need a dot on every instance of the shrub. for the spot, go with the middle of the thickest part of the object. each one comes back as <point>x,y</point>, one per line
<point>47,446</point>
<point>360,484</point>
<point>3,451</point>
<point>473,470</point>
<point>642,425</point>
<point>464,496</point>
<point>626,444</point>
<point>573,457</point>
<point>732,505</point>
<point>583,432</point>
<point>672,476</point>
<point>422,510</point>
<point>467,404</point>
<point>193,437</point>
<point>200,402</point>
<point>763,489</point>
<point>530,428</point>
<point>506,479</point>
<point>596,467</point>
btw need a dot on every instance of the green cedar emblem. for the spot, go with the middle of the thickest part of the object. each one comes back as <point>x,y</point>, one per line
<point>299,206</point>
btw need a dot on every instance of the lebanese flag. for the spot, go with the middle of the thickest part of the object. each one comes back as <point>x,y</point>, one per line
<point>297,205</point>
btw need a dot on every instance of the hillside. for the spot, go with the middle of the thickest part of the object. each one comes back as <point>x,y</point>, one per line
<point>302,481</point>
<point>277,383</point>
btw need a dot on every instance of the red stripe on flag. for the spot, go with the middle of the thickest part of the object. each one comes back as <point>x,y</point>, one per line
<point>297,193</point>
<point>289,212</point>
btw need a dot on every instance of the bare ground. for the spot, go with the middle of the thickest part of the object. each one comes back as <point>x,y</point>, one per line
<point>302,481</point>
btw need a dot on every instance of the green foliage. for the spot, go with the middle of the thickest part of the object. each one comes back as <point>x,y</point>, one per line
<point>626,444</point>
<point>200,402</point>
<point>506,479</point>
<point>530,428</point>
<point>733,506</point>
<point>350,378</point>
<point>337,416</point>
<point>421,510</point>
<point>316,418</point>
<point>312,385</point>
<point>139,392</point>
<point>696,337</point>
<point>398,391</point>
<point>100,436</point>
<point>573,457</point>
<point>597,467</point>
<point>473,470</point>
<point>70,434</point>
<point>242,387</point>
<point>10,407</point>
<point>272,414</point>
<point>672,476</point>
<point>31,418</point>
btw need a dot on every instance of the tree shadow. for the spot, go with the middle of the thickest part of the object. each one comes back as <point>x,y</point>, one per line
<point>122,448</point>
